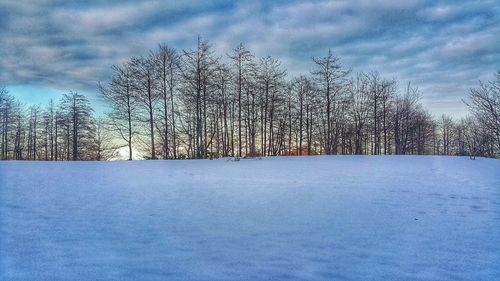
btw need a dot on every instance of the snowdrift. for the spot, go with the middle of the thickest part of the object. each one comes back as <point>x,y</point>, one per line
<point>286,218</point>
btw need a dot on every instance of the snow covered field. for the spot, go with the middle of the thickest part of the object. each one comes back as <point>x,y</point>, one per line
<point>307,218</point>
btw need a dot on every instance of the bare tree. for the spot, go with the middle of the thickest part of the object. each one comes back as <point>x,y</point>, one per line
<point>146,93</point>
<point>484,103</point>
<point>359,111</point>
<point>7,111</point>
<point>119,95</point>
<point>242,61</point>
<point>102,144</point>
<point>167,62</point>
<point>199,68</point>
<point>77,109</point>
<point>330,77</point>
<point>270,81</point>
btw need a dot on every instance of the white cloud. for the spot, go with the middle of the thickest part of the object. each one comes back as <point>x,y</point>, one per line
<point>74,46</point>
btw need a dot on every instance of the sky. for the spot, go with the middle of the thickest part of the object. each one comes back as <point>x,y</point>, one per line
<point>50,47</point>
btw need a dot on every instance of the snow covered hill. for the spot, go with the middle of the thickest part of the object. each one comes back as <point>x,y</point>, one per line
<point>302,218</point>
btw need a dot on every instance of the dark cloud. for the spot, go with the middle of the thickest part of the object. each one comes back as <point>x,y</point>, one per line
<point>444,47</point>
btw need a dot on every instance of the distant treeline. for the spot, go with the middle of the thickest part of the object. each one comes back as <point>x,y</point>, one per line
<point>195,104</point>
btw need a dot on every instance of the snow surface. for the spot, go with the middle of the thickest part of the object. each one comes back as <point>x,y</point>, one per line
<point>287,218</point>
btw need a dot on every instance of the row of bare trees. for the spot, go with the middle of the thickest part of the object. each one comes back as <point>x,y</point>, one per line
<point>195,104</point>
<point>478,133</point>
<point>63,131</point>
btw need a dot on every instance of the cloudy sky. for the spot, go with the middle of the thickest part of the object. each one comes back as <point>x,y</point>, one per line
<point>48,47</point>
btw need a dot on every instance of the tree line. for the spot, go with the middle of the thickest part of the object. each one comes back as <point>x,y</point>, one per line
<point>193,103</point>
<point>66,130</point>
